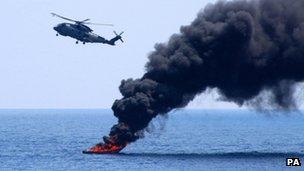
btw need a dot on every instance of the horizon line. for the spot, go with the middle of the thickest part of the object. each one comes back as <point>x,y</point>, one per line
<point>111,109</point>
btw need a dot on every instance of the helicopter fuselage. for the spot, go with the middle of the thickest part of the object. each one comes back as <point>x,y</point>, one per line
<point>82,33</point>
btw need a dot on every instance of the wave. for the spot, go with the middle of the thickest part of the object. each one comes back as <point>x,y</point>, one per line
<point>252,154</point>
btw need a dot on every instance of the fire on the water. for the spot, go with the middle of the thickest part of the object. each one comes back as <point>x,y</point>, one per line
<point>120,136</point>
<point>104,148</point>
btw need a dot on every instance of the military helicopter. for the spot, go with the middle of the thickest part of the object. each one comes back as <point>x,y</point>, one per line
<point>79,31</point>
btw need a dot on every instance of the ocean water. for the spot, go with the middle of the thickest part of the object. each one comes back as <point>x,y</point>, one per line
<point>183,140</point>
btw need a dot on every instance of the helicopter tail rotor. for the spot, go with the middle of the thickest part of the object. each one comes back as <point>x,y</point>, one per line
<point>119,36</point>
<point>116,38</point>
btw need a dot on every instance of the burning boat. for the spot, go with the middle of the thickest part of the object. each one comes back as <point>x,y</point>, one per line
<point>110,146</point>
<point>103,148</point>
<point>118,139</point>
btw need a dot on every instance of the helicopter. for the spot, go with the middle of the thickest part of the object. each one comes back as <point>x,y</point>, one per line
<point>82,33</point>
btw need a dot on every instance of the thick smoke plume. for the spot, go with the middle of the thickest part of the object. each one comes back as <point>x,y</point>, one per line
<point>241,48</point>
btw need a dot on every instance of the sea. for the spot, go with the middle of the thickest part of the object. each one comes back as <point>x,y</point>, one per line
<point>51,139</point>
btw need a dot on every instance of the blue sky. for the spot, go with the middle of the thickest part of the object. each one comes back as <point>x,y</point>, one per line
<point>40,70</point>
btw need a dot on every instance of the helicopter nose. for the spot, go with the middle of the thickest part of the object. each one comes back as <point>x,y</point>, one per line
<point>55,28</point>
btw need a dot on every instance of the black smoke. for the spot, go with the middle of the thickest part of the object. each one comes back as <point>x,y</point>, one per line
<point>241,48</point>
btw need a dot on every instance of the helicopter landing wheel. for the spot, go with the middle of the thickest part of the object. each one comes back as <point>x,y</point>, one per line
<point>84,43</point>
<point>76,42</point>
<point>57,34</point>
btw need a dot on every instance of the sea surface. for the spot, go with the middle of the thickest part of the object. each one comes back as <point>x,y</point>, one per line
<point>181,140</point>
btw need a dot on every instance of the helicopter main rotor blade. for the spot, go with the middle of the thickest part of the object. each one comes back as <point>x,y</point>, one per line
<point>84,20</point>
<point>98,24</point>
<point>81,22</point>
<point>56,15</point>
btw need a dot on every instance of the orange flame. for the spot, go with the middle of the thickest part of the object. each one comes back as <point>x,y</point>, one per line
<point>104,149</point>
<point>111,145</point>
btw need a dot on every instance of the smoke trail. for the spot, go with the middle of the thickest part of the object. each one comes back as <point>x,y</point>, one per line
<point>241,48</point>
